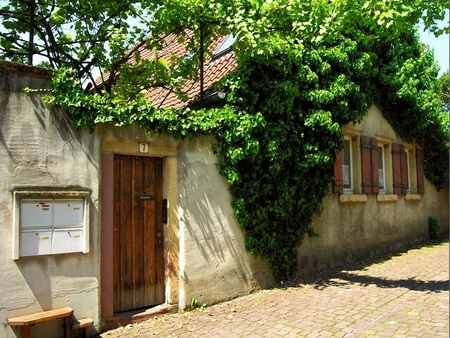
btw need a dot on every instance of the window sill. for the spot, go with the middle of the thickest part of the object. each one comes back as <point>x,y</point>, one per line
<point>413,197</point>
<point>387,198</point>
<point>353,198</point>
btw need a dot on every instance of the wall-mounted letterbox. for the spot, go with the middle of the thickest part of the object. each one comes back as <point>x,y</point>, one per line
<point>52,226</point>
<point>69,213</point>
<point>36,242</point>
<point>67,240</point>
<point>36,214</point>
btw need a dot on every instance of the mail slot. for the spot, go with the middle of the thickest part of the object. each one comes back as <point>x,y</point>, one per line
<point>145,197</point>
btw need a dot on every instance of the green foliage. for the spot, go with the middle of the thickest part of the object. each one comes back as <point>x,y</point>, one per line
<point>433,228</point>
<point>444,85</point>
<point>305,69</point>
<point>411,100</point>
<point>194,304</point>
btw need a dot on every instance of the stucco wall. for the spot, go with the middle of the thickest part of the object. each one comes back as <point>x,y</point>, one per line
<point>358,226</point>
<point>204,246</point>
<point>213,263</point>
<point>40,149</point>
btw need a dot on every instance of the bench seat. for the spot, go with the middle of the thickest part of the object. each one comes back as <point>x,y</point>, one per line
<point>83,323</point>
<point>26,321</point>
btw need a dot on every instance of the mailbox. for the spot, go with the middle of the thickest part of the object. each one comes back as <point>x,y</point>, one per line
<point>36,242</point>
<point>67,240</point>
<point>69,212</point>
<point>52,226</point>
<point>36,214</point>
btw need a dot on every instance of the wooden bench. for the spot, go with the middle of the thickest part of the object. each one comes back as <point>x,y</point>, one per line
<point>83,323</point>
<point>26,321</point>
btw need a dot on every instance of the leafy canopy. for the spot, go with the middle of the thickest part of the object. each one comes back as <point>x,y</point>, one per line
<point>305,69</point>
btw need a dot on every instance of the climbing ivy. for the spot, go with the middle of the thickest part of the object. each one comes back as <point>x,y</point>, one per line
<point>277,134</point>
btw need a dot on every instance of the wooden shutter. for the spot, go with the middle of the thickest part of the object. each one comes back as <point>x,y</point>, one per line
<point>366,165</point>
<point>404,169</point>
<point>397,168</point>
<point>338,186</point>
<point>374,165</point>
<point>420,177</point>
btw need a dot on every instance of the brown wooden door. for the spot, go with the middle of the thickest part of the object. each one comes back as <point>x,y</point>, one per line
<point>138,234</point>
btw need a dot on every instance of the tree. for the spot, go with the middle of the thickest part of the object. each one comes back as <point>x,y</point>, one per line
<point>444,85</point>
<point>305,69</point>
<point>98,36</point>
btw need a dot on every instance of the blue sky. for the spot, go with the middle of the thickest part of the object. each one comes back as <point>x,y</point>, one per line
<point>440,45</point>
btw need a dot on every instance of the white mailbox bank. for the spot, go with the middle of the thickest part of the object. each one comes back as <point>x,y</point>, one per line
<point>50,225</point>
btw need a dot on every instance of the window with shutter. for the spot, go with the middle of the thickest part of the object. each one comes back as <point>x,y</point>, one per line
<point>404,170</point>
<point>374,159</point>
<point>408,172</point>
<point>396,168</point>
<point>366,165</point>
<point>400,169</point>
<point>381,170</point>
<point>347,166</point>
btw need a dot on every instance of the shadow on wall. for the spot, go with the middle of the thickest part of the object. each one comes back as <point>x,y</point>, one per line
<point>210,223</point>
<point>55,279</point>
<point>50,126</point>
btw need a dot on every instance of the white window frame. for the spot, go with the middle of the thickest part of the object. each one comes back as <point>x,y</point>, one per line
<point>51,198</point>
<point>348,190</point>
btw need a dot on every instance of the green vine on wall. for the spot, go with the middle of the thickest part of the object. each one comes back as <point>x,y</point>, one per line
<point>277,134</point>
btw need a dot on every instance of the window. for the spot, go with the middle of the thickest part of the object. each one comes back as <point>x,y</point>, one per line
<point>381,169</point>
<point>225,46</point>
<point>48,223</point>
<point>408,172</point>
<point>347,168</point>
<point>345,180</point>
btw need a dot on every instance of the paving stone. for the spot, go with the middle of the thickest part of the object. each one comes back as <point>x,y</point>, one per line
<point>406,295</point>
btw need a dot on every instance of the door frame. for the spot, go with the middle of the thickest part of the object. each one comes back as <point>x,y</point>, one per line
<point>170,233</point>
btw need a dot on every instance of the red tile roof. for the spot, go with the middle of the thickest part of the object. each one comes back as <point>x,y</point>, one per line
<point>213,70</point>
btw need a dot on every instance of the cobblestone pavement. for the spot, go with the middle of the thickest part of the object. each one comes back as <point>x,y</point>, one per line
<point>406,295</point>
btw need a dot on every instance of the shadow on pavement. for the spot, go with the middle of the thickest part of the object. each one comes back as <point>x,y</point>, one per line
<point>342,279</point>
<point>353,275</point>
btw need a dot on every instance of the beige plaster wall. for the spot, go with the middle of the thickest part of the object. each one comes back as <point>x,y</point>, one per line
<point>204,246</point>
<point>357,226</point>
<point>213,263</point>
<point>40,149</point>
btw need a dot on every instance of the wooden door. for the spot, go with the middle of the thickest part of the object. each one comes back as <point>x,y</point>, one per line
<point>138,270</point>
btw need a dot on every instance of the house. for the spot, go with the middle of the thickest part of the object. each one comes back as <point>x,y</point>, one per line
<point>114,222</point>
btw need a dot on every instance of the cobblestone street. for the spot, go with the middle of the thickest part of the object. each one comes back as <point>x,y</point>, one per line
<point>406,295</point>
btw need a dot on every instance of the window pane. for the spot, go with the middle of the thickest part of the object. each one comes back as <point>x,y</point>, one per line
<point>346,165</point>
<point>380,168</point>
<point>226,44</point>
